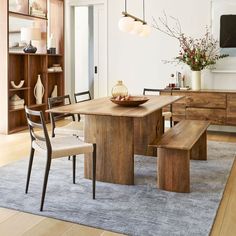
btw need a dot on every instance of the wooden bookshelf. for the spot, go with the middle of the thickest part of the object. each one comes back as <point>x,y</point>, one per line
<point>27,67</point>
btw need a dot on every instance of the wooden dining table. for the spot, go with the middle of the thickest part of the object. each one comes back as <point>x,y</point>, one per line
<point>119,132</point>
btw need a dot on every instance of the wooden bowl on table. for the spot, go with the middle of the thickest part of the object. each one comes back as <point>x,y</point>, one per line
<point>130,101</point>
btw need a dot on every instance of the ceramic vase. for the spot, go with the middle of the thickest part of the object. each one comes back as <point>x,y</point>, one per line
<point>39,91</point>
<point>196,80</point>
<point>54,92</point>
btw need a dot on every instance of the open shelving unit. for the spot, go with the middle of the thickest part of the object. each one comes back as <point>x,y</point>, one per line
<point>27,66</point>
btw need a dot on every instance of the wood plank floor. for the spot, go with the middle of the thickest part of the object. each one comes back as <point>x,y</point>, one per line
<point>14,223</point>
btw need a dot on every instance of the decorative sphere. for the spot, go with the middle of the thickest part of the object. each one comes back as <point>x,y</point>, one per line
<point>126,24</point>
<point>146,30</point>
<point>137,29</point>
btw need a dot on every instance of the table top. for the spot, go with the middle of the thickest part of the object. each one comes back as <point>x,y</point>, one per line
<point>103,106</point>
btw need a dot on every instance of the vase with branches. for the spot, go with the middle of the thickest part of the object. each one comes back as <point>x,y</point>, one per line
<point>197,53</point>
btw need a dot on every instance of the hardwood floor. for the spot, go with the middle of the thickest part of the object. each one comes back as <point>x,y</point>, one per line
<point>14,223</point>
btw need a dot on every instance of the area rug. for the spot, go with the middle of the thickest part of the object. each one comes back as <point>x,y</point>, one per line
<point>139,210</point>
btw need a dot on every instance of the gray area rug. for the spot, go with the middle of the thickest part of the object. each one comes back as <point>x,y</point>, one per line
<point>139,210</point>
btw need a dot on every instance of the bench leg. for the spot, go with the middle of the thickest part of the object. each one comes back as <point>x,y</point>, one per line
<point>199,150</point>
<point>173,170</point>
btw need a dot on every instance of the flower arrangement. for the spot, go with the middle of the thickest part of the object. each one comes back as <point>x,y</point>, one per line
<point>198,54</point>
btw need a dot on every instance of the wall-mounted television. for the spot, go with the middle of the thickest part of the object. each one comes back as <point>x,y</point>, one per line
<point>228,31</point>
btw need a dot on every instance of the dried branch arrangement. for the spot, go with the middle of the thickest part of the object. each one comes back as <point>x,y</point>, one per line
<point>199,53</point>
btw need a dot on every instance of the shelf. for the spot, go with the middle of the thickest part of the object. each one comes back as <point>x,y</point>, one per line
<point>35,54</point>
<point>20,128</point>
<point>22,15</point>
<point>19,89</point>
<point>55,55</point>
<point>55,72</point>
<point>14,110</point>
<point>37,105</point>
<point>224,71</point>
<point>14,32</point>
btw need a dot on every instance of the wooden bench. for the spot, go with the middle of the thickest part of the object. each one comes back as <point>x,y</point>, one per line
<point>187,140</point>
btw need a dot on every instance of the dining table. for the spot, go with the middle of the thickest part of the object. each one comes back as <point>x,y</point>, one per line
<point>119,132</point>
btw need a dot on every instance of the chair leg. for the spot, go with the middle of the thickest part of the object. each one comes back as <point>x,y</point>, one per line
<point>29,169</point>
<point>69,158</point>
<point>94,170</point>
<point>171,122</point>
<point>45,182</point>
<point>74,167</point>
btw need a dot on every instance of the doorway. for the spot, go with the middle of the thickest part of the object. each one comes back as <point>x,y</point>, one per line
<point>89,54</point>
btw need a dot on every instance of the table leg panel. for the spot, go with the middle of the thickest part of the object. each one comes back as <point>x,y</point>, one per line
<point>114,139</point>
<point>147,129</point>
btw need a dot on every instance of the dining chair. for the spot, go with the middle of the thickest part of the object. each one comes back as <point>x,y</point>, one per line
<point>82,97</point>
<point>72,128</point>
<point>167,114</point>
<point>55,148</point>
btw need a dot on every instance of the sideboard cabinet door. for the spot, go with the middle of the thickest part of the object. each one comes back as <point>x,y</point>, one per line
<point>231,109</point>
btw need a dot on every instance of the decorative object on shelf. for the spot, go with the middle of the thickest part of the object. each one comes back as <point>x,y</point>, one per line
<point>17,86</point>
<point>54,92</point>
<point>13,44</point>
<point>119,89</point>
<point>19,5</point>
<point>198,54</point>
<point>29,34</point>
<point>52,45</point>
<point>36,10</point>
<point>134,25</point>
<point>39,91</point>
<point>55,68</point>
<point>16,102</point>
<point>129,101</point>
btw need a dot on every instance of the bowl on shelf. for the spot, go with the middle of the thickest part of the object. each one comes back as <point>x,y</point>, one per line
<point>129,101</point>
<point>18,85</point>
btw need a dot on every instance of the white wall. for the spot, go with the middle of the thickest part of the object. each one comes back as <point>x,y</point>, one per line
<point>138,61</point>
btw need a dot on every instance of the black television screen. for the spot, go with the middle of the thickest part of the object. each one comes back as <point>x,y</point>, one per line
<point>228,31</point>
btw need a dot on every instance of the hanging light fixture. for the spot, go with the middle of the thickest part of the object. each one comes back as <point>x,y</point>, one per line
<point>126,23</point>
<point>134,25</point>
<point>146,29</point>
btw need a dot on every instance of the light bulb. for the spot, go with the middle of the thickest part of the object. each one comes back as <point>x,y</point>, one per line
<point>126,24</point>
<point>146,30</point>
<point>137,29</point>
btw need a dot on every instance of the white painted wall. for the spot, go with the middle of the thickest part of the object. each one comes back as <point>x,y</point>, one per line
<point>139,61</point>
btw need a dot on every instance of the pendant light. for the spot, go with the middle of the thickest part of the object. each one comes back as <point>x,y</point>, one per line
<point>146,29</point>
<point>134,25</point>
<point>126,23</point>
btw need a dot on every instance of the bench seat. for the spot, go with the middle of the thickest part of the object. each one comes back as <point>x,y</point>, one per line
<point>187,140</point>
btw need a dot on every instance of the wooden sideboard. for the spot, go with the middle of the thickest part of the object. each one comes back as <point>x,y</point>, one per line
<point>216,106</point>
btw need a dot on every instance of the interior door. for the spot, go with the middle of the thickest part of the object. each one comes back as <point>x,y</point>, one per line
<point>100,52</point>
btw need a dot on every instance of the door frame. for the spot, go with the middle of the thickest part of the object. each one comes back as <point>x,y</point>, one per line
<point>69,40</point>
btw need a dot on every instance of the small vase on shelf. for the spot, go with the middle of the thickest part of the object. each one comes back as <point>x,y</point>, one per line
<point>196,80</point>
<point>39,91</point>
